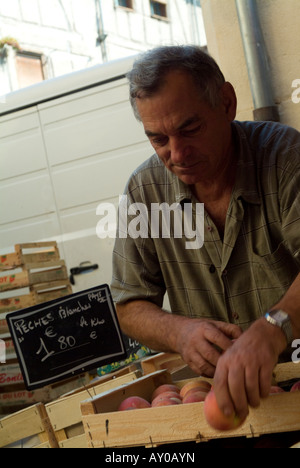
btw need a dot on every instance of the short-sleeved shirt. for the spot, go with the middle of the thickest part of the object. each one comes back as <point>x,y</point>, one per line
<point>236,278</point>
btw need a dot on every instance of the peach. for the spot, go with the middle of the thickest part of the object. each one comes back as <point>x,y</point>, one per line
<point>200,385</point>
<point>275,389</point>
<point>134,402</point>
<point>295,387</point>
<point>166,401</point>
<point>216,418</point>
<point>194,396</point>
<point>195,390</point>
<point>163,396</point>
<point>165,388</point>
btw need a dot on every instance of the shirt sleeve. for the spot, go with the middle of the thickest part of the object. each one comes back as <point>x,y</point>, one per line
<point>136,270</point>
<point>289,198</point>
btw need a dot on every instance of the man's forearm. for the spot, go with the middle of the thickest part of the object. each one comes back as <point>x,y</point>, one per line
<point>150,325</point>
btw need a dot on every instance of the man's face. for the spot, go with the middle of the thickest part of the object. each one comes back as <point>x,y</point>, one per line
<point>191,138</point>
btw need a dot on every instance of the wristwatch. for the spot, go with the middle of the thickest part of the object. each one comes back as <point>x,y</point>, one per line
<point>282,320</point>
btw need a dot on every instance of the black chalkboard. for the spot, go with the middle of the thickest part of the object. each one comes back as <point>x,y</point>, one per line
<point>67,336</point>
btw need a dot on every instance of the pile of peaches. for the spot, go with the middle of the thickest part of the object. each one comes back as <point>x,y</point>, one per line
<point>168,394</point>
<point>192,392</point>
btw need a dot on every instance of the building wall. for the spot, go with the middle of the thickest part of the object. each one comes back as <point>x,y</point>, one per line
<point>65,32</point>
<point>137,30</point>
<point>280,23</point>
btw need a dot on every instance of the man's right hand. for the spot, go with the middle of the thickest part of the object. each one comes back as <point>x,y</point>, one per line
<point>200,342</point>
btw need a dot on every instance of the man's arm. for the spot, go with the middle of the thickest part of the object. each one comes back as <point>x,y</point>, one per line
<point>194,339</point>
<point>244,373</point>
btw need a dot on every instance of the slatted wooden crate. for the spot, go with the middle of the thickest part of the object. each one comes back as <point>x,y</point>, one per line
<point>30,426</point>
<point>43,273</point>
<point>36,252</point>
<point>65,412</point>
<point>104,425</point>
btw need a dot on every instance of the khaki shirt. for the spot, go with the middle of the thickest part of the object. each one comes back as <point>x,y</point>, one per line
<point>234,279</point>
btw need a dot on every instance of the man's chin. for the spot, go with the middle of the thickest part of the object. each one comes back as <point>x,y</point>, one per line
<point>189,179</point>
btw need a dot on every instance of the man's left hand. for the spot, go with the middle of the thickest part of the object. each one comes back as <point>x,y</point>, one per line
<point>244,372</point>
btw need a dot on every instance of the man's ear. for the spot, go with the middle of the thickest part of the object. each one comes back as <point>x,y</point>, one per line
<point>229,100</point>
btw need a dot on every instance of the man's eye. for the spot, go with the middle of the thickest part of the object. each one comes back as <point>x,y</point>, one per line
<point>191,131</point>
<point>159,141</point>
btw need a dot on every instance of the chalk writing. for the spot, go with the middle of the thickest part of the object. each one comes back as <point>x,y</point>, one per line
<point>66,336</point>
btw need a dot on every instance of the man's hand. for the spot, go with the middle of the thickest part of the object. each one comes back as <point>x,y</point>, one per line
<point>201,342</point>
<point>244,372</point>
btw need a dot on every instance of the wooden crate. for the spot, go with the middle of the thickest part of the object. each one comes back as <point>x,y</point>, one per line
<point>32,423</point>
<point>29,253</point>
<point>104,425</point>
<point>43,273</point>
<point>65,413</point>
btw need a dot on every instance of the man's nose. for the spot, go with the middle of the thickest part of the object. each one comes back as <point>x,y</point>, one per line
<point>179,151</point>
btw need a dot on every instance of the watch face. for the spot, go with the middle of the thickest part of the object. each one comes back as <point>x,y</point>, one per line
<point>279,315</point>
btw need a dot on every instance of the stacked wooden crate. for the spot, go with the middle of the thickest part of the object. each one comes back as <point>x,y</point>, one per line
<point>58,424</point>
<point>33,274</point>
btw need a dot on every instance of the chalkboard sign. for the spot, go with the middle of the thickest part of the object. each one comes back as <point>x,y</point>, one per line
<point>67,336</point>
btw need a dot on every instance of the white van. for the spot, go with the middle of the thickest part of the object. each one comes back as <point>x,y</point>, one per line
<point>67,145</point>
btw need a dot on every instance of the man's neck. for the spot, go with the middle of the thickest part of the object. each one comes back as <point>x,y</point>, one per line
<point>220,186</point>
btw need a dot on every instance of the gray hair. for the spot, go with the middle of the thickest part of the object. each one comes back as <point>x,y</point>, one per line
<point>149,69</point>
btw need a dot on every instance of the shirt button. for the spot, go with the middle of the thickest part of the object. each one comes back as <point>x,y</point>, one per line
<point>209,228</point>
<point>236,316</point>
<point>225,272</point>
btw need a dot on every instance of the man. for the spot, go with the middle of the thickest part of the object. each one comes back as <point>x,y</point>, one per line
<point>247,176</point>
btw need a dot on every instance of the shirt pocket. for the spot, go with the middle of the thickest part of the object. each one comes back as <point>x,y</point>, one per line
<point>273,274</point>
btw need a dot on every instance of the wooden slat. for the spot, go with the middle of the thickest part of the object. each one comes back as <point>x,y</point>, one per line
<point>10,282</point>
<point>35,245</point>
<point>78,442</point>
<point>16,303</point>
<point>56,274</point>
<point>49,253</point>
<point>45,292</point>
<point>9,261</point>
<point>286,371</point>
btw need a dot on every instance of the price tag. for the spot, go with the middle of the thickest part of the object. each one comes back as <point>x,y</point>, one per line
<point>66,337</point>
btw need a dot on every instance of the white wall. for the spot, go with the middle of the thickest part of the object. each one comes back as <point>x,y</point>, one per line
<point>65,31</point>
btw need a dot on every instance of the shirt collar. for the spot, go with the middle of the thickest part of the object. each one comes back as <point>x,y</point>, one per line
<point>183,192</point>
<point>246,183</point>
